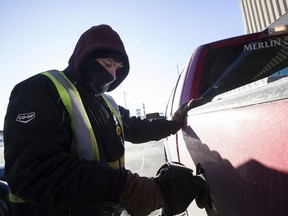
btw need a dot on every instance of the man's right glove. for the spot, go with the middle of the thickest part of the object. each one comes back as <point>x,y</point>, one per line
<point>180,188</point>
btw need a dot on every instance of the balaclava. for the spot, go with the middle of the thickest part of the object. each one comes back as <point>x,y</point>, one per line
<point>99,42</point>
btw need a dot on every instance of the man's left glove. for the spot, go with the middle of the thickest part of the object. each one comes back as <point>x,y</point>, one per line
<point>181,113</point>
<point>179,116</point>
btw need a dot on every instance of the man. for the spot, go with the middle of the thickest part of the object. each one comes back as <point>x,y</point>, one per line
<point>64,138</point>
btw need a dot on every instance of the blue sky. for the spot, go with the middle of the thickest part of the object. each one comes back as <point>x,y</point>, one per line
<point>159,36</point>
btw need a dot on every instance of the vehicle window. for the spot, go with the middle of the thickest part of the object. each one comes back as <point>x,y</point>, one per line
<point>284,71</point>
<point>232,66</point>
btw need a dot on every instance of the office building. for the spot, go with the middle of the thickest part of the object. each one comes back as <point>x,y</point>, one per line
<point>258,14</point>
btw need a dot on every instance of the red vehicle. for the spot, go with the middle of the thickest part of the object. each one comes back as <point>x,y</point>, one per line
<point>239,138</point>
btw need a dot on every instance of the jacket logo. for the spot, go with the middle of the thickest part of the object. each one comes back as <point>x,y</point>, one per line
<point>25,117</point>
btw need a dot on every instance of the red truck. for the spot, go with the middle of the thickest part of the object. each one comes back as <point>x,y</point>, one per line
<point>239,138</point>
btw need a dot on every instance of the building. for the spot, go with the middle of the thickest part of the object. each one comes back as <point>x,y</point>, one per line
<point>258,14</point>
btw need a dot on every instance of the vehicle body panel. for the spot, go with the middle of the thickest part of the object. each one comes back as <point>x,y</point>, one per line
<point>242,146</point>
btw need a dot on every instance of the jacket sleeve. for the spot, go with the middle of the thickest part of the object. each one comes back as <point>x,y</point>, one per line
<point>38,165</point>
<point>137,130</point>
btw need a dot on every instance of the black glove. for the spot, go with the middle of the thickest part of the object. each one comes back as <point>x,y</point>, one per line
<point>180,188</point>
<point>181,112</point>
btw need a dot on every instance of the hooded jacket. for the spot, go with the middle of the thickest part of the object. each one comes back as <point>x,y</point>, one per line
<point>39,165</point>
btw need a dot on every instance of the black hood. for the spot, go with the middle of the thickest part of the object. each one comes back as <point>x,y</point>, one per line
<point>100,39</point>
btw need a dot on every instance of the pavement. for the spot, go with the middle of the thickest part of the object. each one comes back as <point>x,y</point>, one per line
<point>145,159</point>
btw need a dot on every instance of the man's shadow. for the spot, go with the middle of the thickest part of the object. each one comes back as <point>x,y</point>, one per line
<point>250,189</point>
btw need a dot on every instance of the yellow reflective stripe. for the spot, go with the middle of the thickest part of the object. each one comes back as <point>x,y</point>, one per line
<point>113,110</point>
<point>95,151</point>
<point>67,103</point>
<point>122,161</point>
<point>13,198</point>
<point>62,92</point>
<point>76,119</point>
<point>118,163</point>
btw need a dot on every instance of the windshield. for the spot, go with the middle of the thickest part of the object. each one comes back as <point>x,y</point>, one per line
<point>229,67</point>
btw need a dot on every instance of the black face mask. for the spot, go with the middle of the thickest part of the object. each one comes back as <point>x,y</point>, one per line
<point>95,77</point>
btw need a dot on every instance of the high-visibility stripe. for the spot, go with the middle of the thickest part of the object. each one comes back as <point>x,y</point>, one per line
<point>116,112</point>
<point>14,199</point>
<point>114,109</point>
<point>86,144</point>
<point>67,90</point>
<point>118,163</point>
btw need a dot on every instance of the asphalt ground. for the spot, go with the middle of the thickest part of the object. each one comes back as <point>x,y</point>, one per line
<point>145,159</point>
